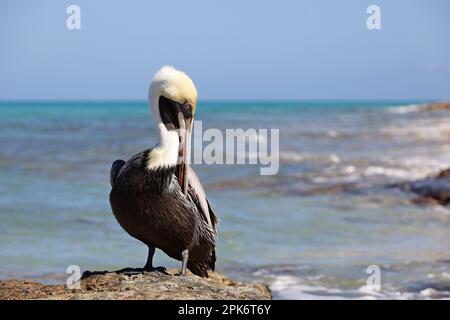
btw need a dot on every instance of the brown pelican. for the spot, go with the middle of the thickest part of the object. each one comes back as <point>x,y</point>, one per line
<point>156,197</point>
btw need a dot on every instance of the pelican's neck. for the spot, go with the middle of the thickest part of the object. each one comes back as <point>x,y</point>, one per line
<point>165,154</point>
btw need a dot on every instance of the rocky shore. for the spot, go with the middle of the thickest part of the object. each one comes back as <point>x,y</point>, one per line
<point>137,286</point>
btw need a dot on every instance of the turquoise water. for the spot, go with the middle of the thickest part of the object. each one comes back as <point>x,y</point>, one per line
<point>309,231</point>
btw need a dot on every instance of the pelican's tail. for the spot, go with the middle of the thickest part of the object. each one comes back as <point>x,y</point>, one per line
<point>201,268</point>
<point>115,168</point>
<point>202,257</point>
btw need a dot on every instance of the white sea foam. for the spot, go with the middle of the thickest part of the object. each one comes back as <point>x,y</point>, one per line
<point>332,134</point>
<point>349,170</point>
<point>425,129</point>
<point>388,172</point>
<point>336,180</point>
<point>293,157</point>
<point>430,293</point>
<point>291,287</point>
<point>406,109</point>
<point>296,288</point>
<point>418,167</point>
<point>335,159</point>
<point>289,156</point>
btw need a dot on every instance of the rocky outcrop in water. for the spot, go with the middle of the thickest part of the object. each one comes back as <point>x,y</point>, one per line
<point>437,106</point>
<point>133,286</point>
<point>432,190</point>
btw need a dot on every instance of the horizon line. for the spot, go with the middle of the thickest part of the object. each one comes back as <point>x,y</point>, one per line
<point>227,100</point>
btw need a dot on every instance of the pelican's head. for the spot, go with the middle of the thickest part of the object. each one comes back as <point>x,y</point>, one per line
<point>171,92</point>
<point>173,98</point>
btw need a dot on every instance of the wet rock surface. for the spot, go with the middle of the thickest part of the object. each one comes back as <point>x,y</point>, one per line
<point>133,286</point>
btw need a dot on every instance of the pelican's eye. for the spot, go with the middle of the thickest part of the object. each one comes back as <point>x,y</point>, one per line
<point>186,109</point>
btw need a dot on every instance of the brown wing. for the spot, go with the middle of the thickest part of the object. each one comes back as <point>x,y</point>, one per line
<point>197,194</point>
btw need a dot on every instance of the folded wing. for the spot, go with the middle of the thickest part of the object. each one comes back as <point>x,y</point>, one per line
<point>198,196</point>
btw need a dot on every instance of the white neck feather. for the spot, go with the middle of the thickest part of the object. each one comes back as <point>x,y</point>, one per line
<point>165,154</point>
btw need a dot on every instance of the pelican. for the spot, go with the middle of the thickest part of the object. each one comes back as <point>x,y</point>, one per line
<point>156,196</point>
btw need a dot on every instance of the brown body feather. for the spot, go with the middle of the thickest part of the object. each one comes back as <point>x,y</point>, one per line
<point>151,207</point>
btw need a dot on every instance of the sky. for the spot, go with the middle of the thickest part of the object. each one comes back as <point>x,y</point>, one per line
<point>232,49</point>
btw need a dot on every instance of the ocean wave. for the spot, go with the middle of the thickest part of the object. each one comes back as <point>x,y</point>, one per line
<point>419,167</point>
<point>424,129</point>
<point>387,172</point>
<point>291,287</point>
<point>310,288</point>
<point>406,109</point>
<point>294,157</point>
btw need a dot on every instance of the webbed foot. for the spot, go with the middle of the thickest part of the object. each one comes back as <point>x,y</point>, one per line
<point>157,269</point>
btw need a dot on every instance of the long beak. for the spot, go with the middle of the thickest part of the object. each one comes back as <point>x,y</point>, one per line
<point>184,156</point>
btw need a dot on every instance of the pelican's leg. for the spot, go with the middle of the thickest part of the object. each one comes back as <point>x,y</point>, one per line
<point>185,257</point>
<point>149,265</point>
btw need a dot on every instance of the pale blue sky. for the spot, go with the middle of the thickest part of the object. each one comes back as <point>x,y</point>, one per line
<point>232,49</point>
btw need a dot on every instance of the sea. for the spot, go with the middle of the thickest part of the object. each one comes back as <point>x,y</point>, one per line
<point>328,225</point>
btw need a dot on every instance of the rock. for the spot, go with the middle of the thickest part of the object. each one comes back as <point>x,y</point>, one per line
<point>444,174</point>
<point>436,106</point>
<point>432,190</point>
<point>132,286</point>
